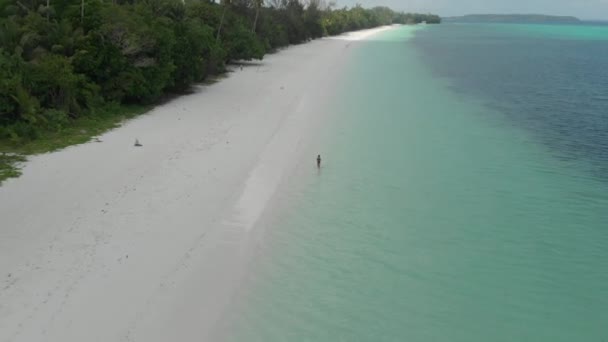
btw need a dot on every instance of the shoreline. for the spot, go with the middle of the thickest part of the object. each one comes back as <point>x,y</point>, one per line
<point>87,129</point>
<point>153,250</point>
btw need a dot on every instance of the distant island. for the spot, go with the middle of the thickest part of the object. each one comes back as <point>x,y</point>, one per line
<point>512,18</point>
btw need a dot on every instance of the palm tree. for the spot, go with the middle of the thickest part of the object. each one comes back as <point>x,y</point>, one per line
<point>226,3</point>
<point>258,5</point>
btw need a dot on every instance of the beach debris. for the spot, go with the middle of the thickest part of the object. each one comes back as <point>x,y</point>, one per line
<point>137,144</point>
<point>97,140</point>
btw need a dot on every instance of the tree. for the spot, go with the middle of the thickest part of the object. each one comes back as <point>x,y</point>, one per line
<point>226,4</point>
<point>60,60</point>
<point>10,86</point>
<point>191,54</point>
<point>312,20</point>
<point>258,5</point>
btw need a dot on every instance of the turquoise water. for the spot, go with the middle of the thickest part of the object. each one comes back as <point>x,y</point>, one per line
<point>583,31</point>
<point>436,217</point>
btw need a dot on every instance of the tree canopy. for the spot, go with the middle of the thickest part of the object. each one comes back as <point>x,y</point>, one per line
<point>63,59</point>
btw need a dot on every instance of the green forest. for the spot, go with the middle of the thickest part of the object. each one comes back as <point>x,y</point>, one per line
<point>70,69</point>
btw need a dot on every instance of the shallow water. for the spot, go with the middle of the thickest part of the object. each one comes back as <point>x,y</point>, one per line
<point>443,212</point>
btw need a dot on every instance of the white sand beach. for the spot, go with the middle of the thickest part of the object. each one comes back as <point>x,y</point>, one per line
<point>106,241</point>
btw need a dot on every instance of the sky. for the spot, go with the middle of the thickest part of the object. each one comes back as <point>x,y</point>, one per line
<point>583,9</point>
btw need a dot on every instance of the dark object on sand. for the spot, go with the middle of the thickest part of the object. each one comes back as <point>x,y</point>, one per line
<point>319,161</point>
<point>137,144</point>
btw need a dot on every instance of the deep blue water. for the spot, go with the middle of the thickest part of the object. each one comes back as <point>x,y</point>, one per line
<point>551,80</point>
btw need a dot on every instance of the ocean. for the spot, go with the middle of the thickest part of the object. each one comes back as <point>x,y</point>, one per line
<point>463,196</point>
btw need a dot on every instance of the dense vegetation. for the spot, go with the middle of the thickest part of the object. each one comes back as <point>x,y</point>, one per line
<point>512,18</point>
<point>78,63</point>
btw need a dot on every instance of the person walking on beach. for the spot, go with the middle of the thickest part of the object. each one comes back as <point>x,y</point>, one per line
<point>318,161</point>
